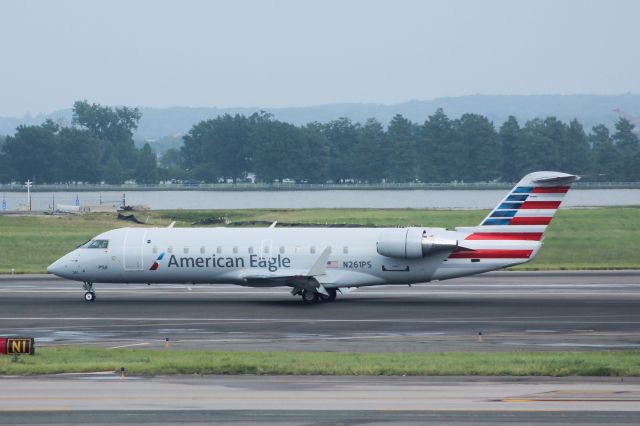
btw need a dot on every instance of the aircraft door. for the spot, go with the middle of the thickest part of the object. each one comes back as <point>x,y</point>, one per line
<point>133,249</point>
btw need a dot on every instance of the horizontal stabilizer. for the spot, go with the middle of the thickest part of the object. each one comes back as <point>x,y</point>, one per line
<point>552,180</point>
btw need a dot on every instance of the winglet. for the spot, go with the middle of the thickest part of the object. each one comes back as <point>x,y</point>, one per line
<point>273,225</point>
<point>320,267</point>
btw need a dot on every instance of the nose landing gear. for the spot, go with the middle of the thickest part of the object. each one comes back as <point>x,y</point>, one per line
<point>90,295</point>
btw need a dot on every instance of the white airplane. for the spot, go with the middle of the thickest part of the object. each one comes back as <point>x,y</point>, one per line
<point>318,262</point>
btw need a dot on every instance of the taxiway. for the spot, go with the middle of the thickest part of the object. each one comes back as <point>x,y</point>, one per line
<point>513,311</point>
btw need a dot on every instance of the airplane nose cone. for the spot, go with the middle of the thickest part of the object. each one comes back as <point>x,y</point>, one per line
<point>66,266</point>
<point>55,268</point>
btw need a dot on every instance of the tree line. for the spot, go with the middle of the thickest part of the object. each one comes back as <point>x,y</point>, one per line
<point>99,147</point>
<point>468,149</point>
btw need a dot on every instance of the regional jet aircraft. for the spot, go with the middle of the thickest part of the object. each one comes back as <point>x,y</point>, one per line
<point>317,262</point>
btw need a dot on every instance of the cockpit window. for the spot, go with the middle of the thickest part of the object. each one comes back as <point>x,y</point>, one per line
<point>97,244</point>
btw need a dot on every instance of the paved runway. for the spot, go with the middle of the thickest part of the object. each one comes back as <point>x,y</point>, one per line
<point>86,399</point>
<point>512,310</point>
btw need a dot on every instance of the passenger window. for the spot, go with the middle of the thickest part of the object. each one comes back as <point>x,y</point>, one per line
<point>218,249</point>
<point>170,250</point>
<point>296,250</point>
<point>282,250</point>
<point>202,250</point>
<point>313,249</point>
<point>235,249</point>
<point>186,250</point>
<point>250,250</point>
<point>345,250</point>
<point>155,250</point>
<point>265,249</point>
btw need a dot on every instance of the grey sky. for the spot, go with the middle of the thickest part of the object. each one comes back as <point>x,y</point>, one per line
<point>295,53</point>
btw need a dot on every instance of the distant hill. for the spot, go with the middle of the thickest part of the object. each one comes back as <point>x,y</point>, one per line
<point>590,110</point>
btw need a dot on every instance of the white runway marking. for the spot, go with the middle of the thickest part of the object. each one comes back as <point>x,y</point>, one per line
<point>128,346</point>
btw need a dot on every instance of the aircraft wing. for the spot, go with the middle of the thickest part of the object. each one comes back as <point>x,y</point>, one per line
<point>271,276</point>
<point>299,278</point>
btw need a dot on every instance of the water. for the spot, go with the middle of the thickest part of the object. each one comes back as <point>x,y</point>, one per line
<point>417,199</point>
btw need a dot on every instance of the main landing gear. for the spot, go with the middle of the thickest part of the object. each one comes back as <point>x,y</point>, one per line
<point>309,296</point>
<point>331,297</point>
<point>90,295</point>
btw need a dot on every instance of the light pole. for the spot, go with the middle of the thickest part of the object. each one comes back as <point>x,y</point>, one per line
<point>28,184</point>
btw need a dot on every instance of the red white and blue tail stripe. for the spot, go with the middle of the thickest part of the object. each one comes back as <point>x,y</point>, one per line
<point>527,210</point>
<point>511,234</point>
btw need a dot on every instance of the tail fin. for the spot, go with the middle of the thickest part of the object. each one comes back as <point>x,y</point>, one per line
<point>511,234</point>
<point>527,210</point>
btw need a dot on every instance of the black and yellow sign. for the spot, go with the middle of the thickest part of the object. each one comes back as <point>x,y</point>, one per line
<point>20,346</point>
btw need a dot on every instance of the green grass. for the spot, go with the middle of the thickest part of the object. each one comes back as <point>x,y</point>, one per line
<point>54,360</point>
<point>30,244</point>
<point>602,238</point>
<point>598,238</point>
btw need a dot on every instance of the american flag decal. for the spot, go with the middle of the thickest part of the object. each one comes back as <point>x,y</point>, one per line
<point>332,264</point>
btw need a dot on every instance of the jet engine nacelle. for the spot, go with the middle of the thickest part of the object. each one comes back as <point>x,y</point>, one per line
<point>412,243</point>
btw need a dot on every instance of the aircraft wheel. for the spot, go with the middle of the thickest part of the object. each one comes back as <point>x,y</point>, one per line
<point>331,297</point>
<point>89,296</point>
<point>332,294</point>
<point>309,296</point>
